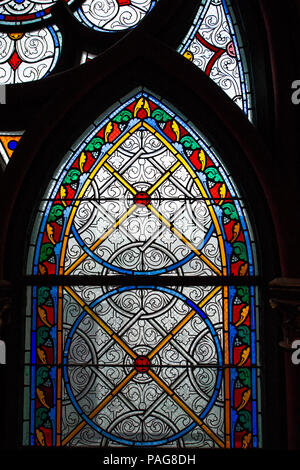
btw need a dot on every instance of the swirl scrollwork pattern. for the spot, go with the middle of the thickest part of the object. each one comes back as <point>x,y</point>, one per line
<point>99,361</point>
<point>113,15</point>
<point>212,45</point>
<point>32,55</point>
<point>134,238</point>
<point>29,56</point>
<point>142,362</point>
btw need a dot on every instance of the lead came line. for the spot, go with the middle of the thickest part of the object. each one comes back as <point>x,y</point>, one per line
<point>177,233</point>
<point>185,240</point>
<point>101,239</point>
<point>106,328</point>
<point>151,373</point>
<point>100,407</point>
<point>186,409</point>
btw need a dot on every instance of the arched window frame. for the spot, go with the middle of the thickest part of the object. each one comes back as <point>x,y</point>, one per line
<point>178,100</point>
<point>231,274</point>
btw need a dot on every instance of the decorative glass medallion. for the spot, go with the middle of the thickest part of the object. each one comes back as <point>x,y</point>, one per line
<point>29,56</point>
<point>213,44</point>
<point>17,12</point>
<point>113,15</point>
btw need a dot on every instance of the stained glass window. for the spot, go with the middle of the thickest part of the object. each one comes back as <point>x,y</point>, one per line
<point>8,144</point>
<point>19,12</point>
<point>214,44</point>
<point>113,15</point>
<point>29,56</point>
<point>142,313</point>
<point>103,15</point>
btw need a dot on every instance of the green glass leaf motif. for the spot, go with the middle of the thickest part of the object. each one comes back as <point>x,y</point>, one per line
<point>46,252</point>
<point>244,334</point>
<point>43,295</point>
<point>42,335</point>
<point>42,375</point>
<point>161,116</point>
<point>230,211</point>
<point>245,420</point>
<point>124,116</point>
<point>240,250</point>
<point>243,294</point>
<point>72,176</point>
<point>41,416</point>
<point>189,143</point>
<point>95,144</point>
<point>213,174</point>
<point>55,213</point>
<point>245,377</point>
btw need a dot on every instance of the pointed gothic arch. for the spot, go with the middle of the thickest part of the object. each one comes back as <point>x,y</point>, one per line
<point>236,129</point>
<point>93,100</point>
<point>144,195</point>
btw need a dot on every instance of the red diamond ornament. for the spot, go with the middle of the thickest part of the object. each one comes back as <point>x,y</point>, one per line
<point>14,61</point>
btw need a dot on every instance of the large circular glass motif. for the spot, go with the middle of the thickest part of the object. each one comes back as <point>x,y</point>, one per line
<point>159,365</point>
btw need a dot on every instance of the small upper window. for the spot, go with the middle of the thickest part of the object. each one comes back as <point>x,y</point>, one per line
<point>213,44</point>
